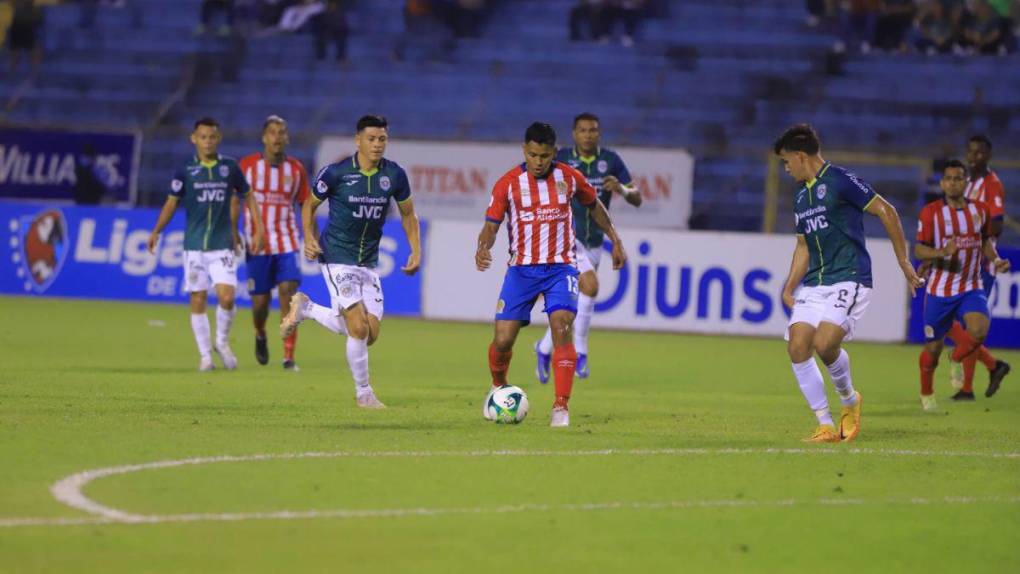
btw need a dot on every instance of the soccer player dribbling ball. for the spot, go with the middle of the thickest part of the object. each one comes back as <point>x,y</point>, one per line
<point>359,190</point>
<point>210,186</point>
<point>537,196</point>
<point>954,234</point>
<point>829,285</point>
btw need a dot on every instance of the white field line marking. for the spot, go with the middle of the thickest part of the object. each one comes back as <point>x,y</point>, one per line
<point>69,489</point>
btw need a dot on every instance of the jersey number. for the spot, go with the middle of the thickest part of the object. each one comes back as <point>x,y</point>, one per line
<point>841,297</point>
<point>572,285</point>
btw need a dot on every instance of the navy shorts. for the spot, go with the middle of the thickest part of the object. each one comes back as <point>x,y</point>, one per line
<point>268,271</point>
<point>557,283</point>
<point>940,312</point>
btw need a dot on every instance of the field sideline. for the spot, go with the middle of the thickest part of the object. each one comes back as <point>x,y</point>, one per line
<point>684,454</point>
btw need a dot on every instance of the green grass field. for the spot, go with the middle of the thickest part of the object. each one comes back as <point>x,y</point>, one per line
<point>690,483</point>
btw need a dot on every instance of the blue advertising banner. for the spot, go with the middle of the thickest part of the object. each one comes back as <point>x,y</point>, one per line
<point>100,253</point>
<point>1003,305</point>
<point>63,165</point>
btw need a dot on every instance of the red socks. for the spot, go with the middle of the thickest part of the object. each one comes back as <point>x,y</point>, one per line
<point>968,373</point>
<point>288,346</point>
<point>986,357</point>
<point>499,364</point>
<point>928,364</point>
<point>564,360</point>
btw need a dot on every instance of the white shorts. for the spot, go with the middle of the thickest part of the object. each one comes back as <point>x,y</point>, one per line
<point>349,285</point>
<point>203,269</point>
<point>842,304</point>
<point>587,258</point>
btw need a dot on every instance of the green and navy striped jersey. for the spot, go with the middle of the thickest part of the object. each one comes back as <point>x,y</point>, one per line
<point>595,169</point>
<point>205,189</point>
<point>829,212</point>
<point>358,203</point>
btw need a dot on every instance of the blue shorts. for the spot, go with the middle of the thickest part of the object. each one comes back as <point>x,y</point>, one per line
<point>268,271</point>
<point>523,284</point>
<point>940,312</point>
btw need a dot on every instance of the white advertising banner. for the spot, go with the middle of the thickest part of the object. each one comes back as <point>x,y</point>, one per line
<point>702,282</point>
<point>453,180</point>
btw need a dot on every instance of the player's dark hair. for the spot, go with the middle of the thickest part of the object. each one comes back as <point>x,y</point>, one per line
<point>540,133</point>
<point>206,121</point>
<point>981,138</point>
<point>372,121</point>
<point>273,119</point>
<point>586,116</point>
<point>799,137</point>
<point>954,163</point>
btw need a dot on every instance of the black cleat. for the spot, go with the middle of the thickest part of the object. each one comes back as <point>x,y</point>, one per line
<point>995,377</point>
<point>261,350</point>
<point>290,365</point>
<point>963,396</point>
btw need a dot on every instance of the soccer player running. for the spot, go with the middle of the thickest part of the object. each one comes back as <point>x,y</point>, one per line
<point>984,186</point>
<point>607,173</point>
<point>278,182</point>
<point>537,194</point>
<point>359,190</point>
<point>209,185</point>
<point>954,233</point>
<point>829,285</point>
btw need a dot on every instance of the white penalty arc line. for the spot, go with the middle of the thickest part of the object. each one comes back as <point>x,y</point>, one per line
<point>69,490</point>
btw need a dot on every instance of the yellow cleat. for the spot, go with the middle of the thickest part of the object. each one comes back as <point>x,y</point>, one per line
<point>850,421</point>
<point>824,433</point>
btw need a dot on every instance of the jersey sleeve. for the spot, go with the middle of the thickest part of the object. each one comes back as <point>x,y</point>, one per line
<point>926,227</point>
<point>401,186</point>
<point>986,221</point>
<point>856,192</point>
<point>238,181</point>
<point>583,191</point>
<point>499,202</point>
<point>303,190</point>
<point>323,183</point>
<point>622,173</point>
<point>177,183</point>
<point>995,199</point>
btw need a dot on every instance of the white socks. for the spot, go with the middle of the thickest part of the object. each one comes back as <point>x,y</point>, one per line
<point>200,326</point>
<point>325,317</point>
<point>809,376</point>
<point>224,319</point>
<point>585,309</point>
<point>840,372</point>
<point>357,360</point>
<point>582,323</point>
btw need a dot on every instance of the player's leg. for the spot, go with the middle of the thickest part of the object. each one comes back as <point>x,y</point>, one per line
<point>501,350</point>
<point>589,289</point>
<point>560,290</point>
<point>517,296</point>
<point>973,310</point>
<point>302,307</point>
<point>939,313</point>
<point>260,282</point>
<point>372,296</point>
<point>286,291</point>
<point>222,266</point>
<point>357,322</point>
<point>196,282</point>
<point>828,344</point>
<point>997,369</point>
<point>800,333</point>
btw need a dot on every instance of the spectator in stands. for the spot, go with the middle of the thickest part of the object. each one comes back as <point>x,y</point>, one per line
<point>294,17</point>
<point>894,19</point>
<point>857,18</point>
<point>424,21</point>
<point>23,35</point>
<point>331,26</point>
<point>209,8</point>
<point>984,30</point>
<point>464,17</point>
<point>818,10</point>
<point>591,16</point>
<point>630,13</point>
<point>936,30</point>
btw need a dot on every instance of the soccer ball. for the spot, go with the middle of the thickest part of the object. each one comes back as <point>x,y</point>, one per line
<point>506,405</point>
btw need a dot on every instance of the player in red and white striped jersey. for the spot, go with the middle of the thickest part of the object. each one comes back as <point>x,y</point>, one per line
<point>537,197</point>
<point>278,183</point>
<point>983,186</point>
<point>953,234</point>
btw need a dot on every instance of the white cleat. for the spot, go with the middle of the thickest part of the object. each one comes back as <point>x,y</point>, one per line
<point>560,417</point>
<point>368,401</point>
<point>956,374</point>
<point>928,404</point>
<point>295,316</point>
<point>206,364</point>
<point>227,356</point>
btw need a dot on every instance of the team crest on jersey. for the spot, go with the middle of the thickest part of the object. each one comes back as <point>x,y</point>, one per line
<point>39,248</point>
<point>384,183</point>
<point>322,187</point>
<point>561,186</point>
<point>224,171</point>
<point>820,192</point>
<point>500,305</point>
<point>177,185</point>
<point>929,332</point>
<point>602,166</point>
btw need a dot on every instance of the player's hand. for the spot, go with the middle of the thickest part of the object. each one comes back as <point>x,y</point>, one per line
<point>788,299</point>
<point>612,185</point>
<point>619,256</point>
<point>413,263</point>
<point>153,241</point>
<point>258,241</point>
<point>1002,265</point>
<point>914,281</point>
<point>483,259</point>
<point>312,249</point>
<point>951,247</point>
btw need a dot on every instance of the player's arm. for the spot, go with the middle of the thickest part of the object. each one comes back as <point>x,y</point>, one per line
<point>600,216</point>
<point>312,248</point>
<point>628,191</point>
<point>412,228</point>
<point>486,239</point>
<point>165,215</point>
<point>992,254</point>
<point>928,253</point>
<point>798,268</point>
<point>882,209</point>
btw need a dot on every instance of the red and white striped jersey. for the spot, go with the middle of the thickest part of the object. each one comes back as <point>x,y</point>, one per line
<point>541,225</point>
<point>938,224</point>
<point>277,189</point>
<point>989,191</point>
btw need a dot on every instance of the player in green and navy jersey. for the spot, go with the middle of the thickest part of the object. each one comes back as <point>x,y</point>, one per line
<point>607,173</point>
<point>829,285</point>
<point>211,187</point>
<point>359,190</point>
